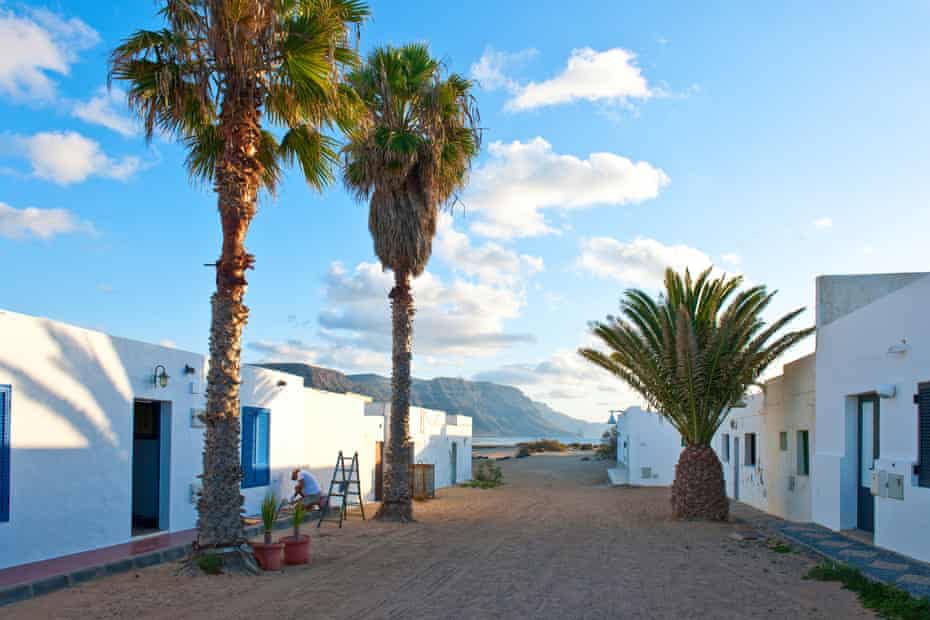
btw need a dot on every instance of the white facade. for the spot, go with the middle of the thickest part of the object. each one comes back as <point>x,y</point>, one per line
<point>873,338</point>
<point>74,396</point>
<point>648,447</point>
<point>779,417</point>
<point>438,438</point>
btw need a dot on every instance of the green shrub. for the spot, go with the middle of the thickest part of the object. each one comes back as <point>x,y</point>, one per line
<point>889,601</point>
<point>210,563</point>
<point>270,511</point>
<point>608,446</point>
<point>545,445</point>
<point>487,476</point>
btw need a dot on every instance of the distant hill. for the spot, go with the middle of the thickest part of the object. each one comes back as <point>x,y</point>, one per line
<point>495,409</point>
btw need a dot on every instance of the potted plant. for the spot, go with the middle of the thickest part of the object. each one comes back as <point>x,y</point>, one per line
<point>297,547</point>
<point>268,553</point>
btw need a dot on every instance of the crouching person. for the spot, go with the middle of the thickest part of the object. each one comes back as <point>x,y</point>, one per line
<point>307,489</point>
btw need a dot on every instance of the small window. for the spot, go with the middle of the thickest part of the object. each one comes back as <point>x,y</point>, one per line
<point>783,441</point>
<point>750,443</point>
<point>256,447</point>
<point>5,452</point>
<point>725,447</point>
<point>804,453</point>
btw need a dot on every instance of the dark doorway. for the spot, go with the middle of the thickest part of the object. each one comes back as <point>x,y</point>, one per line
<point>869,441</point>
<point>455,463</point>
<point>146,466</point>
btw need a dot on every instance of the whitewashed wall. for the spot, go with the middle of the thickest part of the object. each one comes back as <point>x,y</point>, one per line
<point>337,422</point>
<point>432,437</point>
<point>752,479</point>
<point>647,440</point>
<point>859,318</point>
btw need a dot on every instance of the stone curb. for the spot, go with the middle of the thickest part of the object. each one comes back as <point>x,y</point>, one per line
<point>765,528</point>
<point>25,591</point>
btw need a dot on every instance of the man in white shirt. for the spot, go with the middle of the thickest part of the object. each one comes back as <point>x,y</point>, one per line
<point>307,487</point>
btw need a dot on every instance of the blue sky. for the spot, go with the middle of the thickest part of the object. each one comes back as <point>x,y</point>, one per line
<point>780,141</point>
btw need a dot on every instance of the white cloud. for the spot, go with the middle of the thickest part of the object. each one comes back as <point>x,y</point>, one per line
<point>489,70</point>
<point>732,259</point>
<point>107,108</point>
<point>344,358</point>
<point>521,179</point>
<point>37,44</point>
<point>490,263</point>
<point>168,344</point>
<point>641,262</point>
<point>823,223</point>
<point>610,76</point>
<point>458,318</point>
<point>68,157</point>
<point>40,223</point>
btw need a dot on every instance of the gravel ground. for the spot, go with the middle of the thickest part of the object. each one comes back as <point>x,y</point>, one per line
<point>554,542</point>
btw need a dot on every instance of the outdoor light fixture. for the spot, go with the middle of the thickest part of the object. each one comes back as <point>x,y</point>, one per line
<point>189,370</point>
<point>161,376</point>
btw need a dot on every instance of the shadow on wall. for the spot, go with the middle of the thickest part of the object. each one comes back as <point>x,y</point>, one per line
<point>71,441</point>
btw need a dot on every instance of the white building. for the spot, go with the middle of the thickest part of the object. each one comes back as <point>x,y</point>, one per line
<point>438,438</point>
<point>648,447</point>
<point>101,443</point>
<point>872,461</point>
<point>766,447</point>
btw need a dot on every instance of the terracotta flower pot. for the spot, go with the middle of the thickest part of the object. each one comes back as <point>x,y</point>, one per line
<point>296,549</point>
<point>269,555</point>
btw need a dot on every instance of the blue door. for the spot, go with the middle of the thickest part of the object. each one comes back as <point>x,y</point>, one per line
<point>868,453</point>
<point>735,467</point>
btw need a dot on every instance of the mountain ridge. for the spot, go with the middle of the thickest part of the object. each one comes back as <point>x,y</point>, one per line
<point>495,409</point>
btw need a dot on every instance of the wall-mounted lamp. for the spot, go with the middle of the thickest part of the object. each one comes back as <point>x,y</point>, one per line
<point>898,349</point>
<point>161,376</point>
<point>189,370</point>
<point>281,382</point>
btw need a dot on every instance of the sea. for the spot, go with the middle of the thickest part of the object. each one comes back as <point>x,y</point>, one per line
<point>495,441</point>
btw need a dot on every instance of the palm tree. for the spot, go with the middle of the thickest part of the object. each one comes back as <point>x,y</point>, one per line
<point>409,157</point>
<point>206,79</point>
<point>691,354</point>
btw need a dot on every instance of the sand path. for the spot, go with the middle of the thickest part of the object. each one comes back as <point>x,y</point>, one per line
<point>554,542</point>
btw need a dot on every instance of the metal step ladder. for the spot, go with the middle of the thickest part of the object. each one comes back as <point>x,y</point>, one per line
<point>349,485</point>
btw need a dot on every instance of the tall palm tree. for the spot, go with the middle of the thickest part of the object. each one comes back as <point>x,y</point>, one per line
<point>691,354</point>
<point>409,157</point>
<point>206,79</point>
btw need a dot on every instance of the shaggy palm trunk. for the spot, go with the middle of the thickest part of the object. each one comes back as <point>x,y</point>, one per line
<point>219,522</point>
<point>397,504</point>
<point>698,492</point>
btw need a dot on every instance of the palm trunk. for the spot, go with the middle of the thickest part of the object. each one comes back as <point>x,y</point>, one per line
<point>219,522</point>
<point>699,491</point>
<point>397,504</point>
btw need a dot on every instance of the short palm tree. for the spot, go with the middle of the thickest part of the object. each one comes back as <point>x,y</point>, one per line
<point>206,79</point>
<point>409,156</point>
<point>691,354</point>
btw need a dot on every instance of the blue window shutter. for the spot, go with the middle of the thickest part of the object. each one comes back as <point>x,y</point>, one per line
<point>248,447</point>
<point>4,453</point>
<point>262,447</point>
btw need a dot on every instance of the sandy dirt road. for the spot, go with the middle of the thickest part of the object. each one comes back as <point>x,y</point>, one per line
<point>554,542</point>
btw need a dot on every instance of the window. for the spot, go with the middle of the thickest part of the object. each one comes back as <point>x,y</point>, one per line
<point>750,443</point>
<point>256,434</point>
<point>725,447</point>
<point>923,434</point>
<point>804,453</point>
<point>5,452</point>
<point>783,441</point>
